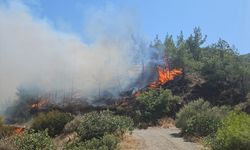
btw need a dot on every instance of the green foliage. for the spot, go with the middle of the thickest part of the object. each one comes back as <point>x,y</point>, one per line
<point>202,125</point>
<point>107,142</point>
<point>233,133</point>
<point>73,124</point>
<point>190,110</point>
<point>154,105</point>
<point>31,140</point>
<point>225,73</point>
<point>54,121</point>
<point>97,124</point>
<point>6,131</point>
<point>244,106</point>
<point>199,118</point>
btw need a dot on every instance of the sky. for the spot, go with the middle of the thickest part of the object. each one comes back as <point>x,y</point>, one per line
<point>226,19</point>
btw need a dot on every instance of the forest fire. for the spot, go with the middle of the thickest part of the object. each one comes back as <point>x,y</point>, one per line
<point>165,75</point>
<point>40,104</point>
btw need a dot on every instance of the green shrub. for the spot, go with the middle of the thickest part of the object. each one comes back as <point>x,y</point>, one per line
<point>154,105</point>
<point>54,121</point>
<point>73,124</point>
<point>97,124</point>
<point>202,125</point>
<point>107,142</point>
<point>233,133</point>
<point>31,140</point>
<point>199,118</point>
<point>244,106</point>
<point>6,131</point>
<point>190,110</point>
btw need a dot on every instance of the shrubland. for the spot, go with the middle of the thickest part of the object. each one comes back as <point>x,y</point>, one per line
<point>107,142</point>
<point>199,118</point>
<point>98,130</point>
<point>30,140</point>
<point>54,121</point>
<point>154,104</point>
<point>97,124</point>
<point>233,133</point>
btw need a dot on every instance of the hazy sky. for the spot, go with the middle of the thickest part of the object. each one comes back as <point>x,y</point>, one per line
<point>226,19</point>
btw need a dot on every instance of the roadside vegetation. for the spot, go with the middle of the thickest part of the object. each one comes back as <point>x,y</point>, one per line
<point>155,104</point>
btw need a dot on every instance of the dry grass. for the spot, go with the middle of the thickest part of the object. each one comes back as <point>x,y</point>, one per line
<point>7,144</point>
<point>63,139</point>
<point>130,143</point>
<point>166,122</point>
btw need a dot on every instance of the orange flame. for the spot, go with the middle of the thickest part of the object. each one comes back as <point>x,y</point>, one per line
<point>165,75</point>
<point>19,130</point>
<point>40,104</point>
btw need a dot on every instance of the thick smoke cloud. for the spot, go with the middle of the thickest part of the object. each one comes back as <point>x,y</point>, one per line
<point>34,54</point>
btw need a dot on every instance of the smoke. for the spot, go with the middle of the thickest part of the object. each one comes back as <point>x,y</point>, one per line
<point>34,54</point>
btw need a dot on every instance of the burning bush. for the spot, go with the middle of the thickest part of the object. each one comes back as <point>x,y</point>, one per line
<point>155,104</point>
<point>97,124</point>
<point>54,121</point>
<point>199,118</point>
<point>31,140</point>
<point>20,111</point>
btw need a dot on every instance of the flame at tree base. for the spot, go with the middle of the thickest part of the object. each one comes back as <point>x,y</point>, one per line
<point>165,75</point>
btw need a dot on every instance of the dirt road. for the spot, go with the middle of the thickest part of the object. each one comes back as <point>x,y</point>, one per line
<point>157,138</point>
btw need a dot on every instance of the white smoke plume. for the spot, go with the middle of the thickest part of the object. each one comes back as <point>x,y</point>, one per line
<point>32,53</point>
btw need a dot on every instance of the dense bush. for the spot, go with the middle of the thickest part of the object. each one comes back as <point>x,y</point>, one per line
<point>202,125</point>
<point>107,142</point>
<point>54,121</point>
<point>155,104</point>
<point>199,118</point>
<point>233,133</point>
<point>97,124</point>
<point>31,140</point>
<point>245,106</point>
<point>73,124</point>
<point>190,110</point>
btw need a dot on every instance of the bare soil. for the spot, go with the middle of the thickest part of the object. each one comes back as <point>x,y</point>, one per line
<point>157,138</point>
